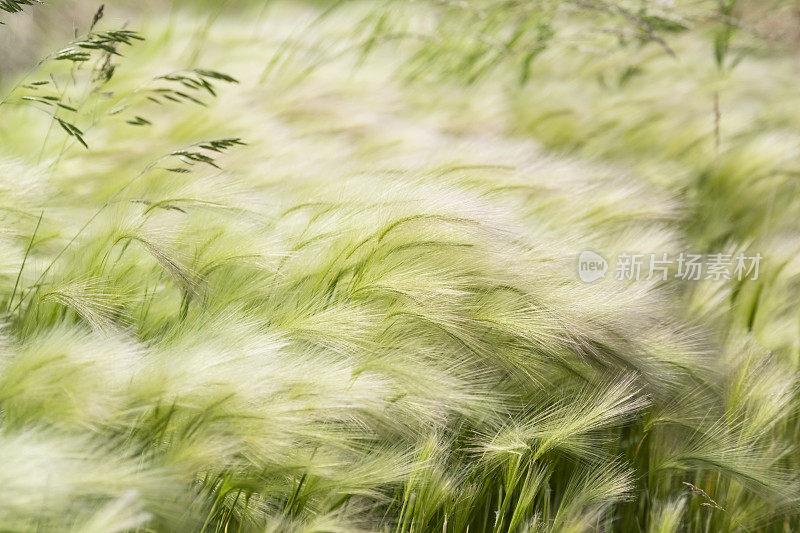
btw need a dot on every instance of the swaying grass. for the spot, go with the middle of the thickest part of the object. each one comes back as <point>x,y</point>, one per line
<point>311,268</point>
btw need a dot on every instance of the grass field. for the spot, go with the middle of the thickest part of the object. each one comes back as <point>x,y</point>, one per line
<point>316,266</point>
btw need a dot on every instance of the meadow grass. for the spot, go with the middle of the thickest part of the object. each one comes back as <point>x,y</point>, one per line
<point>310,267</point>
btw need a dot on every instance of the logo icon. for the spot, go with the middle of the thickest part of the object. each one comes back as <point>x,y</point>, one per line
<point>591,266</point>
